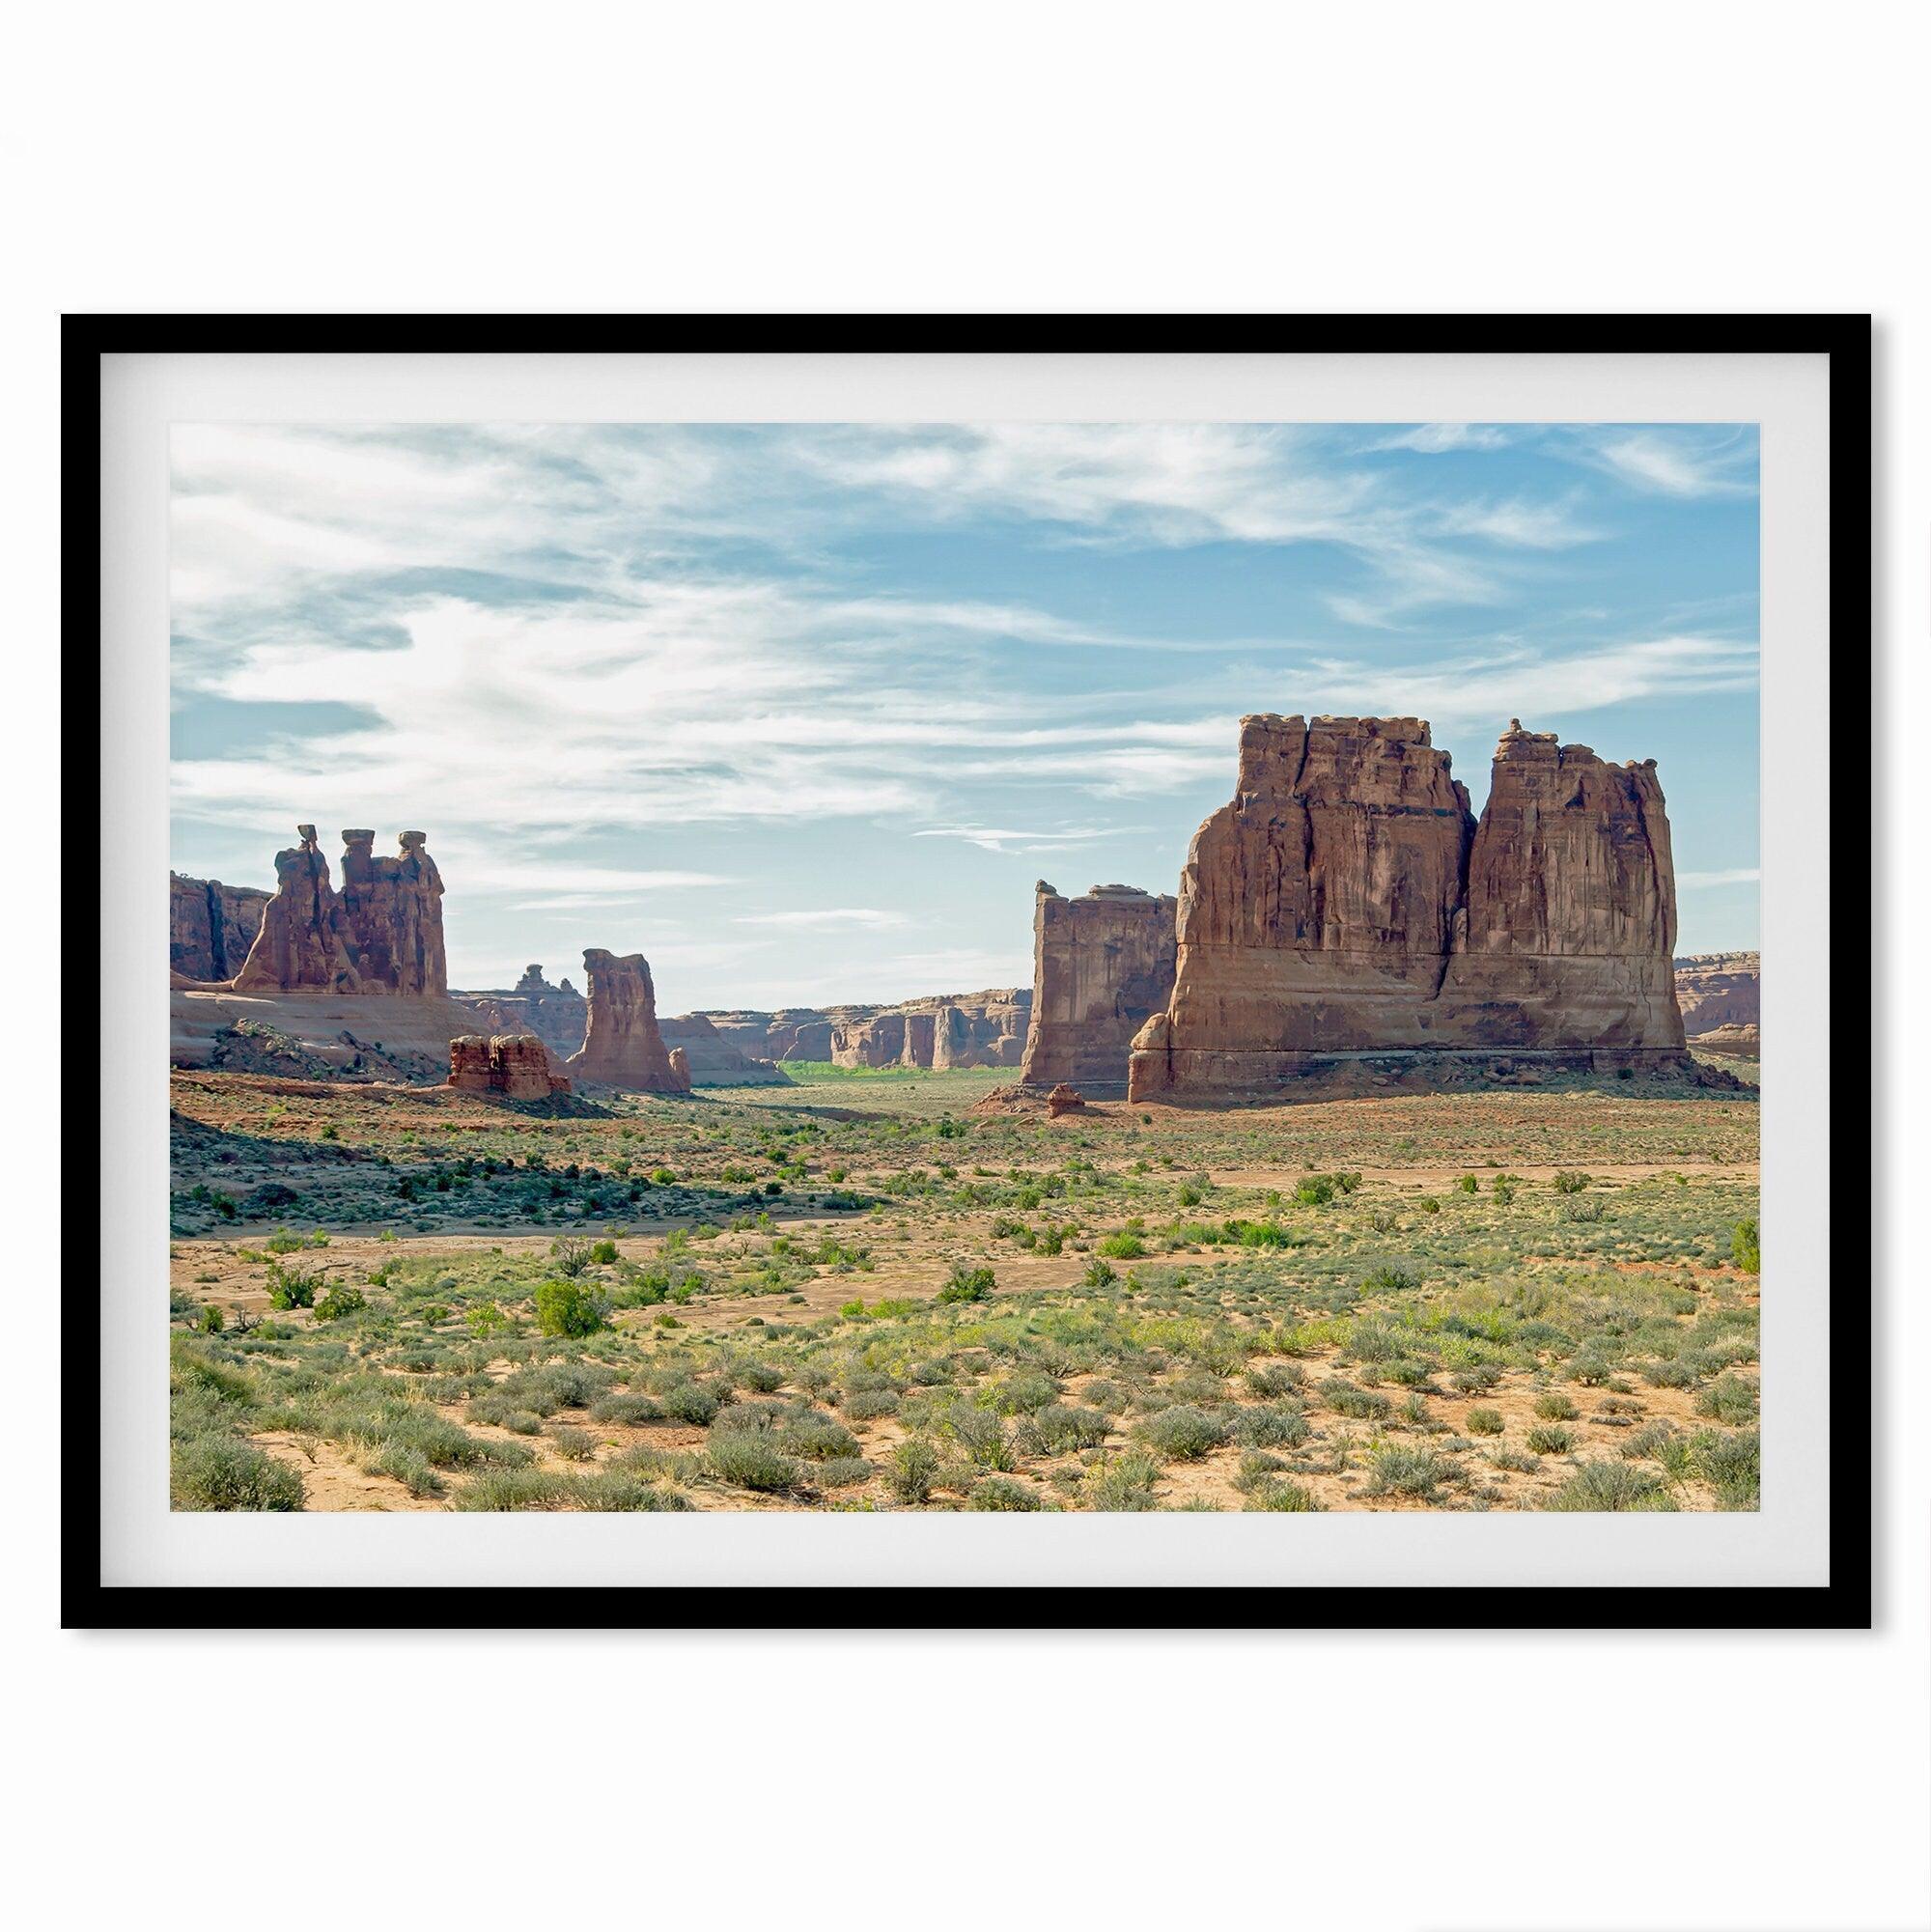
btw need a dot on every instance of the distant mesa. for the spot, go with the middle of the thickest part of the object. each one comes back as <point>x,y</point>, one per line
<point>940,1031</point>
<point>1718,990</point>
<point>1347,905</point>
<point>711,1060</point>
<point>622,1044</point>
<point>1102,965</point>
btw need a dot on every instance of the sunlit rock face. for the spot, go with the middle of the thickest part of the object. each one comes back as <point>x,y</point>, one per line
<point>622,1044</point>
<point>1347,903</point>
<point>380,933</point>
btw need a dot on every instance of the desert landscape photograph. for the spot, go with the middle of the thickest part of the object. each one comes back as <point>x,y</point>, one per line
<point>957,967</point>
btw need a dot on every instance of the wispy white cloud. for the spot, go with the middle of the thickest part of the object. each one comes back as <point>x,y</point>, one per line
<point>989,839</point>
<point>1740,875</point>
<point>1439,438</point>
<point>1685,461</point>
<point>825,919</point>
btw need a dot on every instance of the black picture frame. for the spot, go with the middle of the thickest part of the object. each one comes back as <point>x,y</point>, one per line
<point>1842,1603</point>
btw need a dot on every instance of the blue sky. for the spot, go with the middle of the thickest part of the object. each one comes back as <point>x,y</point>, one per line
<point>801,712</point>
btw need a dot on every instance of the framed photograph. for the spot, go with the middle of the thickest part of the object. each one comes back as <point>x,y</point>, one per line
<point>1080,971</point>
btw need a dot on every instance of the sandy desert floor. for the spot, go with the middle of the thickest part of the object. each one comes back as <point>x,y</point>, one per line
<point>888,1291</point>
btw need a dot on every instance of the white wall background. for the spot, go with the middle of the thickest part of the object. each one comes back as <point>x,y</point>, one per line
<point>879,157</point>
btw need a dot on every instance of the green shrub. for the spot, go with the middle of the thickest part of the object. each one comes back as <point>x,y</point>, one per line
<point>1550,1439</point>
<point>1002,1493</point>
<point>912,1469</point>
<point>1484,1423</point>
<point>1057,1428</point>
<point>213,1319</point>
<point>218,1472</point>
<point>687,1402</point>
<point>630,1411</point>
<point>967,1284</point>
<point>748,1458</point>
<point>603,1253</point>
<point>1277,1493</point>
<point>1358,1404</point>
<point>292,1287</point>
<point>1097,1276</point>
<point>1610,1486</point>
<point>1122,1246</point>
<point>1399,1470</point>
<point>567,1308</point>
<point>1467,1184</point>
<point>1270,1425</point>
<point>1123,1484</point>
<point>340,1299</point>
<point>1184,1432</point>
<point>1728,1399</point>
<point>1731,1465</point>
<point>1745,1248</point>
<point>1389,1279</point>
<point>1570,1184</point>
<point>1554,1408</point>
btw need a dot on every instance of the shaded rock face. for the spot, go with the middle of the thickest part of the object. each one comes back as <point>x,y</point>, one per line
<point>514,1065</point>
<point>380,933</point>
<point>1347,903</point>
<point>1102,965</point>
<point>211,926</point>
<point>1716,989</point>
<point>557,1015</point>
<point>711,1060</point>
<point>622,1043</point>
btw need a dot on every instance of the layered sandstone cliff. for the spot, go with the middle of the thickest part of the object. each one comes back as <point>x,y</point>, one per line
<point>1102,964</point>
<point>380,933</point>
<point>211,926</point>
<point>623,1045</point>
<point>1346,903</point>
<point>1716,989</point>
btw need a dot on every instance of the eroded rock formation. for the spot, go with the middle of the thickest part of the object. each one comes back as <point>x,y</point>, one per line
<point>380,933</point>
<point>211,926</point>
<point>1346,903</point>
<point>393,909</point>
<point>1064,1099</point>
<point>1102,965</point>
<point>622,1043</point>
<point>303,944</point>
<point>514,1065</point>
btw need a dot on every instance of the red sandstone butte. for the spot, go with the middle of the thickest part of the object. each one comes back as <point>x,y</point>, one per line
<point>1102,964</point>
<point>622,1045</point>
<point>1064,1099</point>
<point>1346,904</point>
<point>514,1065</point>
<point>380,933</point>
